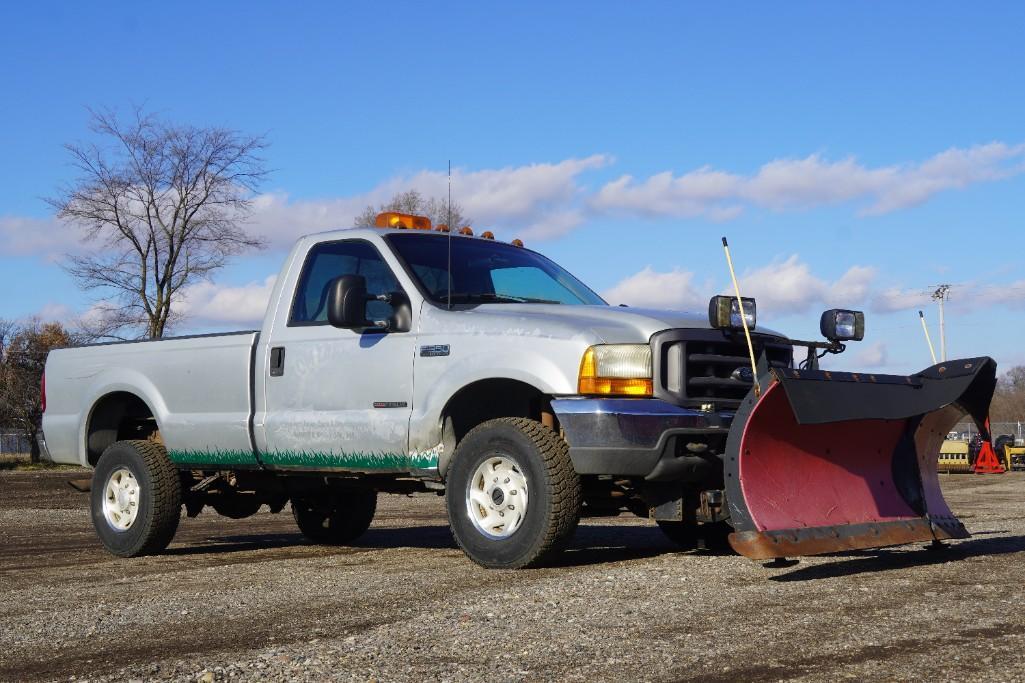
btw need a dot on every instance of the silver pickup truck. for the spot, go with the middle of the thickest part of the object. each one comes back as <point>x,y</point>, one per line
<point>408,360</point>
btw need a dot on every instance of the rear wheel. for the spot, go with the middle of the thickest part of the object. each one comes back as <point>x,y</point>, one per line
<point>338,520</point>
<point>513,496</point>
<point>136,498</point>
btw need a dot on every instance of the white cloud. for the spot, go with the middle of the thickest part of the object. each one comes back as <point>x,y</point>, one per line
<point>547,200</point>
<point>210,303</point>
<point>853,288</point>
<point>46,237</point>
<point>894,299</point>
<point>673,290</point>
<point>809,182</point>
<point>551,226</point>
<point>535,201</point>
<point>780,287</point>
<point>789,286</point>
<point>874,356</point>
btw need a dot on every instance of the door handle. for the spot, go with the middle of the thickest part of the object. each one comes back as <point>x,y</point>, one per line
<point>277,361</point>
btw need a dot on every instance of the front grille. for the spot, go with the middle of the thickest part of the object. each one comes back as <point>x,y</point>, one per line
<point>710,366</point>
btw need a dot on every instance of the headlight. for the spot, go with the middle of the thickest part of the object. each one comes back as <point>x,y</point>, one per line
<point>838,324</point>
<point>616,370</point>
<point>724,313</point>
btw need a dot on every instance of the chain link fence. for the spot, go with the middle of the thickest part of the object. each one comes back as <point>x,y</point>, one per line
<point>966,430</point>
<point>14,442</point>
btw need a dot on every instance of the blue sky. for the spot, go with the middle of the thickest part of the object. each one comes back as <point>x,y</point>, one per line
<point>853,154</point>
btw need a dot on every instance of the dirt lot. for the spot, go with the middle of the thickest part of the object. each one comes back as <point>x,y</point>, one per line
<point>249,600</point>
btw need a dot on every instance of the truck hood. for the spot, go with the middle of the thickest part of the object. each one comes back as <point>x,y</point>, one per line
<point>611,324</point>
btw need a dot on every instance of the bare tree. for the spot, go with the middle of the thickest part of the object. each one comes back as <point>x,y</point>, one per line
<point>1009,398</point>
<point>165,204</point>
<point>413,202</point>
<point>23,350</point>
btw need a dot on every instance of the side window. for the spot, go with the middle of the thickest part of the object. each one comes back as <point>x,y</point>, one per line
<point>329,260</point>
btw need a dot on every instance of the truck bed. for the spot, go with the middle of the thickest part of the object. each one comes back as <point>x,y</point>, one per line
<point>199,388</point>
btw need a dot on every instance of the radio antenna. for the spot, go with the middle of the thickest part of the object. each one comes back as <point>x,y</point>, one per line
<point>449,222</point>
<point>928,339</point>
<point>743,318</point>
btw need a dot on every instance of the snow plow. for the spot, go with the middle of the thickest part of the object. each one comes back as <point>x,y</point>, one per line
<point>819,462</point>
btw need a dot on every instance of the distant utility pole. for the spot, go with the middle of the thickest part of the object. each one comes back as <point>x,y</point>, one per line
<point>941,294</point>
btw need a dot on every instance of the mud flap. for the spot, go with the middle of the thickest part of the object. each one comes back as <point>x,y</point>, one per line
<point>823,462</point>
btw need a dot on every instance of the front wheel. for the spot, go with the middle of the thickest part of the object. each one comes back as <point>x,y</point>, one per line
<point>512,494</point>
<point>136,498</point>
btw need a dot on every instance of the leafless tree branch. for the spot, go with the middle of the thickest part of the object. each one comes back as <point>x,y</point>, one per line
<point>165,204</point>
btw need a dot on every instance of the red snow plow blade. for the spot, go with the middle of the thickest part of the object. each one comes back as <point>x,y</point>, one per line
<point>824,462</point>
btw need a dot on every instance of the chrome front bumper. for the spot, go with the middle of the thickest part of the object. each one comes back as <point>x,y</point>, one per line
<point>630,436</point>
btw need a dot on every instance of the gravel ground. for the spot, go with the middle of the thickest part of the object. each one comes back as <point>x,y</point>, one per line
<point>249,600</point>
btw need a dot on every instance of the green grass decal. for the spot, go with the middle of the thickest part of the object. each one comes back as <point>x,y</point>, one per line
<point>357,461</point>
<point>214,457</point>
<point>370,462</point>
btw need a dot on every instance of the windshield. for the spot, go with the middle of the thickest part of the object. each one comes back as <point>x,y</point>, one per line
<point>484,271</point>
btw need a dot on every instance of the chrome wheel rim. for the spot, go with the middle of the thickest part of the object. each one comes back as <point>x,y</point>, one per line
<point>496,497</point>
<point>121,499</point>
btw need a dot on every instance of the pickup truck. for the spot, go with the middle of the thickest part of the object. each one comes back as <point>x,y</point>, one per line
<point>403,360</point>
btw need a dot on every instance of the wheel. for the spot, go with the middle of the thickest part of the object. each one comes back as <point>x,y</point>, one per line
<point>336,521</point>
<point>513,496</point>
<point>136,498</point>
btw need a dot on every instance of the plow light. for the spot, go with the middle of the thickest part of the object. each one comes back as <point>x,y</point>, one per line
<point>724,313</point>
<point>838,324</point>
<point>616,370</point>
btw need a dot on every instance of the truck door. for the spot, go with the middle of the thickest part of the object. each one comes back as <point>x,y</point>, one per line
<point>337,399</point>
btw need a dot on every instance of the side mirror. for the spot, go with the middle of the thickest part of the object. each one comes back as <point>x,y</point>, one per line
<point>347,302</point>
<point>838,324</point>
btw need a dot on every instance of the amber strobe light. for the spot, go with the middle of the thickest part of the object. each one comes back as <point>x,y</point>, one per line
<point>616,370</point>
<point>393,219</point>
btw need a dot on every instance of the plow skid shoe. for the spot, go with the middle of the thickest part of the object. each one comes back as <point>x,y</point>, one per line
<point>824,462</point>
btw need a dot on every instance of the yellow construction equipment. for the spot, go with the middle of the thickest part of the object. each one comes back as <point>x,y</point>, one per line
<point>954,457</point>
<point>1011,456</point>
<point>1015,457</point>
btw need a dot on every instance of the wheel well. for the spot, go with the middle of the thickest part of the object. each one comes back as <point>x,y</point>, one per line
<point>117,416</point>
<point>489,399</point>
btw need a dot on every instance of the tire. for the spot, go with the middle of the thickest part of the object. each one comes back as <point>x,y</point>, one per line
<point>520,453</point>
<point>337,521</point>
<point>136,498</point>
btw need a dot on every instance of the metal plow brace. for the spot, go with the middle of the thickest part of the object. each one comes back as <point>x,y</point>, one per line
<point>823,462</point>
